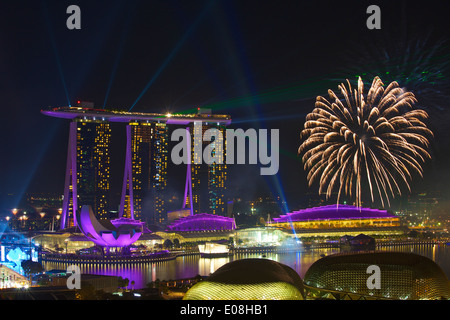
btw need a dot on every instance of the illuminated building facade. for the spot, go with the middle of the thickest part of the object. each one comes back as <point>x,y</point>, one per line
<point>141,137</point>
<point>93,161</point>
<point>88,169</point>
<point>11,279</point>
<point>200,227</point>
<point>158,171</point>
<point>403,275</point>
<point>202,222</point>
<point>120,232</point>
<point>88,164</point>
<point>173,215</point>
<point>208,180</point>
<point>74,242</point>
<point>336,220</point>
<point>261,236</point>
<point>148,160</point>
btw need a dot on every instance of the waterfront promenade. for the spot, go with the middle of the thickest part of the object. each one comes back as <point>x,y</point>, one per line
<point>166,255</point>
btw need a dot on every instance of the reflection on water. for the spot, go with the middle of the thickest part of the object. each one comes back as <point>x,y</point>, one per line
<point>438,253</point>
<point>190,266</point>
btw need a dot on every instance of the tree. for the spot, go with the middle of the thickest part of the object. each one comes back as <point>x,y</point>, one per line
<point>123,283</point>
<point>31,267</point>
<point>168,244</point>
<point>413,234</point>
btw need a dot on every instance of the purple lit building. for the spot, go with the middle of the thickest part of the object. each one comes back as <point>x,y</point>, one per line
<point>202,222</point>
<point>88,182</point>
<point>120,232</point>
<point>336,220</point>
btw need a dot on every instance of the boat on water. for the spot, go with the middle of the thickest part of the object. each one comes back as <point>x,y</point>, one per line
<point>213,250</point>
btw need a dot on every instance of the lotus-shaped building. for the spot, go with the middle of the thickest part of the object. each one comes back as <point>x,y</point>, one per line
<point>120,232</point>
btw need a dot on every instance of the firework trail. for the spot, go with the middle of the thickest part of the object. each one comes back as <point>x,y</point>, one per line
<point>373,140</point>
<point>420,65</point>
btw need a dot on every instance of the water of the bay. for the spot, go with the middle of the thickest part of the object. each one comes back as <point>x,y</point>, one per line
<point>189,266</point>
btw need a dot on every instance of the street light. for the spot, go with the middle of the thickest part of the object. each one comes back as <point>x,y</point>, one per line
<point>53,221</point>
<point>23,219</point>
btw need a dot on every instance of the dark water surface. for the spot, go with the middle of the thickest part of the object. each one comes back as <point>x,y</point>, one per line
<point>190,266</point>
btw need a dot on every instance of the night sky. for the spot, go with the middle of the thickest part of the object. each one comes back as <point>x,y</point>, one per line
<point>262,62</point>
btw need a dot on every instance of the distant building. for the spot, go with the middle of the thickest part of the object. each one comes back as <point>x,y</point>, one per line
<point>339,220</point>
<point>76,242</point>
<point>93,165</point>
<point>88,162</point>
<point>202,222</point>
<point>158,170</point>
<point>149,159</point>
<point>174,215</point>
<point>88,169</point>
<point>11,279</point>
<point>262,236</point>
<point>208,180</point>
<point>360,242</point>
<point>200,227</point>
<point>43,201</point>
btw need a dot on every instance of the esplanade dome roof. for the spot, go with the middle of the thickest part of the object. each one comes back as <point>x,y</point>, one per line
<point>250,279</point>
<point>403,275</point>
<point>251,271</point>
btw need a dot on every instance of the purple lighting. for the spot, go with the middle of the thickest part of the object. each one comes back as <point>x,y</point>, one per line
<point>333,212</point>
<point>120,232</point>
<point>121,116</point>
<point>188,175</point>
<point>71,178</point>
<point>202,222</point>
<point>127,178</point>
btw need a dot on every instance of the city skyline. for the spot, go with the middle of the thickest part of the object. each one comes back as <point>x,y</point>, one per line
<point>143,194</point>
<point>224,149</point>
<point>214,54</point>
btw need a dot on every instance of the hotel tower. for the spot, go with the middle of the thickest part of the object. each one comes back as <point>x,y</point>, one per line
<point>88,169</point>
<point>208,180</point>
<point>147,168</point>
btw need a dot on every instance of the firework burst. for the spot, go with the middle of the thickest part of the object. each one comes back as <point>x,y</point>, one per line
<point>374,140</point>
